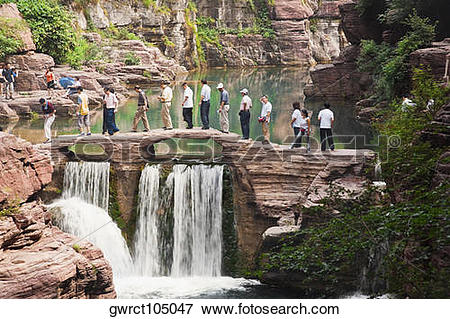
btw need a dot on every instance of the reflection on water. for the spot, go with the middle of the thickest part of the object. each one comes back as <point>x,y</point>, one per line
<point>283,86</point>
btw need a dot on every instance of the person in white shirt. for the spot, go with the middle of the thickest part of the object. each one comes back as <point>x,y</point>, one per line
<point>326,119</point>
<point>205,103</point>
<point>188,105</point>
<point>166,100</point>
<point>266,111</point>
<point>72,89</point>
<point>244,114</point>
<point>111,105</point>
<point>303,127</point>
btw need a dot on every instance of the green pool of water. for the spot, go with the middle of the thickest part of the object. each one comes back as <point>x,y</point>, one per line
<point>283,86</point>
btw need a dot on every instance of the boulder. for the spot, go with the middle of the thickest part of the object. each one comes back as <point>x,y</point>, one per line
<point>6,114</point>
<point>31,61</point>
<point>10,11</point>
<point>29,81</point>
<point>273,235</point>
<point>38,260</point>
<point>23,170</point>
<point>433,57</point>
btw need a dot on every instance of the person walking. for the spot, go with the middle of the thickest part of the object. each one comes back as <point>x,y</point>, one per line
<point>304,129</point>
<point>326,119</point>
<point>141,112</point>
<point>296,123</point>
<point>50,81</point>
<point>83,112</point>
<point>2,79</point>
<point>49,112</point>
<point>266,111</point>
<point>205,103</point>
<point>224,108</point>
<point>188,105</point>
<point>111,104</point>
<point>8,74</point>
<point>244,114</point>
<point>166,100</point>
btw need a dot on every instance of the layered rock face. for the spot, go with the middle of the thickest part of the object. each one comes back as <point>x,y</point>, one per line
<point>341,79</point>
<point>433,58</point>
<point>168,24</point>
<point>38,260</point>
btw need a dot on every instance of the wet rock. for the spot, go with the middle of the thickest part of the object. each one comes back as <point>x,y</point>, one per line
<point>7,114</point>
<point>10,11</point>
<point>23,170</point>
<point>37,260</point>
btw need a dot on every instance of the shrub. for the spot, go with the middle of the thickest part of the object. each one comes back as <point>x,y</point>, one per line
<point>131,59</point>
<point>389,66</point>
<point>51,26</point>
<point>83,53</point>
<point>10,42</point>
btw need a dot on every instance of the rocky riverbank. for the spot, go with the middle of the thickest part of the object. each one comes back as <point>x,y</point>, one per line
<point>37,259</point>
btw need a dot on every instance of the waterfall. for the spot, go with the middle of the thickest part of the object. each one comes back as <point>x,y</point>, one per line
<point>197,221</point>
<point>179,231</point>
<point>151,244</point>
<point>88,181</point>
<point>92,223</point>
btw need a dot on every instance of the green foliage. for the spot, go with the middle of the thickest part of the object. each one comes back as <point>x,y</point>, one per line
<point>115,33</point>
<point>77,248</point>
<point>167,42</point>
<point>389,66</point>
<point>83,52</point>
<point>408,237</point>
<point>51,26</point>
<point>131,59</point>
<point>10,41</point>
<point>207,31</point>
<point>11,209</point>
<point>158,8</point>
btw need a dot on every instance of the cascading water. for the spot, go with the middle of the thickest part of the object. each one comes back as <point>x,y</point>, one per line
<point>88,181</point>
<point>92,223</point>
<point>150,243</point>
<point>197,221</point>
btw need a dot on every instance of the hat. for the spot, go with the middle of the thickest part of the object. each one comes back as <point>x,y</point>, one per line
<point>220,86</point>
<point>245,91</point>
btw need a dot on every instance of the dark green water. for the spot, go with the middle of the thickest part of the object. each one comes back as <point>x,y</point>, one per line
<point>283,86</point>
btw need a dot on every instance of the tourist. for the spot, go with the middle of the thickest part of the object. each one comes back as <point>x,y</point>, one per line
<point>296,123</point>
<point>104,127</point>
<point>8,74</point>
<point>166,101</point>
<point>205,103</point>
<point>188,105</point>
<point>326,119</point>
<point>407,104</point>
<point>49,112</point>
<point>244,114</point>
<point>50,81</point>
<point>72,89</point>
<point>224,108</point>
<point>111,105</point>
<point>264,119</point>
<point>15,75</point>
<point>2,79</point>
<point>304,129</point>
<point>83,112</point>
<point>141,111</point>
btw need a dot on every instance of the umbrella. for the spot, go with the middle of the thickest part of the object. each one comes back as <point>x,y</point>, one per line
<point>66,82</point>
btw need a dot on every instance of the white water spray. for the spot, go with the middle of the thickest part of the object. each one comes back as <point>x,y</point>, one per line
<point>92,223</point>
<point>88,181</point>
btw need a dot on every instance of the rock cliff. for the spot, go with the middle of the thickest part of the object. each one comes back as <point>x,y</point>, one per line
<point>38,260</point>
<point>241,27</point>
